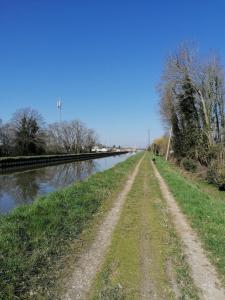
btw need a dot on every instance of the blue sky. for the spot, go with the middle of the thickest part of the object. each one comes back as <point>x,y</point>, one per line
<point>103,58</point>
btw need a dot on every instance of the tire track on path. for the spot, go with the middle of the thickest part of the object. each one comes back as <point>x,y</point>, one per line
<point>90,262</point>
<point>203,272</point>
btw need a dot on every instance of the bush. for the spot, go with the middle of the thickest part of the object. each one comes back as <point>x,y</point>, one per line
<point>189,164</point>
<point>216,175</point>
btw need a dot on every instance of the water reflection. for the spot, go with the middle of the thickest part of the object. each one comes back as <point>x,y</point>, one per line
<point>23,187</point>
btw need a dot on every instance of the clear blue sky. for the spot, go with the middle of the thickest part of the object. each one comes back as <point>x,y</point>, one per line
<point>103,58</point>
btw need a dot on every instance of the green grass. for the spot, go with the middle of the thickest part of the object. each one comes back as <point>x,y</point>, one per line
<point>144,234</point>
<point>34,237</point>
<point>205,212</point>
<point>201,183</point>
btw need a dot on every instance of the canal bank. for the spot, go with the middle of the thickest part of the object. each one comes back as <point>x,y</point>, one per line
<point>36,239</point>
<point>19,186</point>
<point>24,161</point>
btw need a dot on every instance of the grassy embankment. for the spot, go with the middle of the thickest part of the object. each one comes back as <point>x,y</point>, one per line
<point>145,259</point>
<point>33,238</point>
<point>204,207</point>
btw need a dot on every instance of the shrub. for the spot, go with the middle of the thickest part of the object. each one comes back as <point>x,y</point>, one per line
<point>189,164</point>
<point>216,175</point>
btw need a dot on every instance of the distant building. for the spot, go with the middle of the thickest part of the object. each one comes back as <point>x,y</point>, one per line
<point>99,149</point>
<point>103,150</point>
<point>94,149</point>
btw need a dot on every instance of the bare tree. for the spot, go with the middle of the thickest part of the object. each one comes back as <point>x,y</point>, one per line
<point>90,140</point>
<point>211,89</point>
<point>71,136</point>
<point>6,140</point>
<point>54,141</point>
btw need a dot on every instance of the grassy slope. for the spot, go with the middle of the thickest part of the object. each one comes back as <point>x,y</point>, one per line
<point>201,183</point>
<point>33,237</point>
<point>144,232</point>
<point>205,210</point>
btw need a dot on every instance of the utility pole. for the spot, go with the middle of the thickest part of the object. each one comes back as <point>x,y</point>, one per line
<point>149,141</point>
<point>168,145</point>
<point>59,107</point>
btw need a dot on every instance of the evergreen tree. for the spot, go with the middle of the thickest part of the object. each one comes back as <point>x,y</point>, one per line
<point>177,136</point>
<point>29,136</point>
<point>189,119</point>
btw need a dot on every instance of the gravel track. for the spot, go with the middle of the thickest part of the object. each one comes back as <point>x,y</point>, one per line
<point>203,272</point>
<point>90,262</point>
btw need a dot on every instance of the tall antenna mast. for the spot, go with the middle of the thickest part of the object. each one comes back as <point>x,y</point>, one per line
<point>59,107</point>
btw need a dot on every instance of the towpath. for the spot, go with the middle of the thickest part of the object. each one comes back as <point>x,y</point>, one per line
<point>144,249</point>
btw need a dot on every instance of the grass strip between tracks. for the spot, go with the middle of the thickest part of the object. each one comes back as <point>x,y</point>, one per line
<point>33,237</point>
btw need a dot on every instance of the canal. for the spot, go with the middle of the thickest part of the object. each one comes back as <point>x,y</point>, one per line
<point>22,187</point>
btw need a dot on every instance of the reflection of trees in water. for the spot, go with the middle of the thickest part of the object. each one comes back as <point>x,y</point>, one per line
<point>97,166</point>
<point>90,166</point>
<point>21,187</point>
<point>25,186</point>
<point>63,175</point>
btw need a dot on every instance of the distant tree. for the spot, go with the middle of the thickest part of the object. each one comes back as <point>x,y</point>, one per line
<point>6,140</point>
<point>159,146</point>
<point>70,137</point>
<point>28,132</point>
<point>90,140</point>
<point>54,140</point>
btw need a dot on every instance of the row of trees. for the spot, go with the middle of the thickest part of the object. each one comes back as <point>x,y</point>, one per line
<point>27,134</point>
<point>159,145</point>
<point>192,93</point>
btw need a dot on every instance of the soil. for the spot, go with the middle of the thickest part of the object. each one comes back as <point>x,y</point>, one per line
<point>203,273</point>
<point>90,262</point>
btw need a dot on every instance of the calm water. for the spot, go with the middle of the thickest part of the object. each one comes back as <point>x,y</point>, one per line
<point>23,187</point>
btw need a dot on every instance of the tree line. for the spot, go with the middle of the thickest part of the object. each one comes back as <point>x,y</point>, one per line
<point>192,101</point>
<point>27,134</point>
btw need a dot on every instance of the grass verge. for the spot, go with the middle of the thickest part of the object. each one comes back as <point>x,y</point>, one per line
<point>145,259</point>
<point>34,237</point>
<point>200,182</point>
<point>205,212</point>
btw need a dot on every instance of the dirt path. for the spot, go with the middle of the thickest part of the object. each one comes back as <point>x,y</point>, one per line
<point>90,262</point>
<point>145,258</point>
<point>204,274</point>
